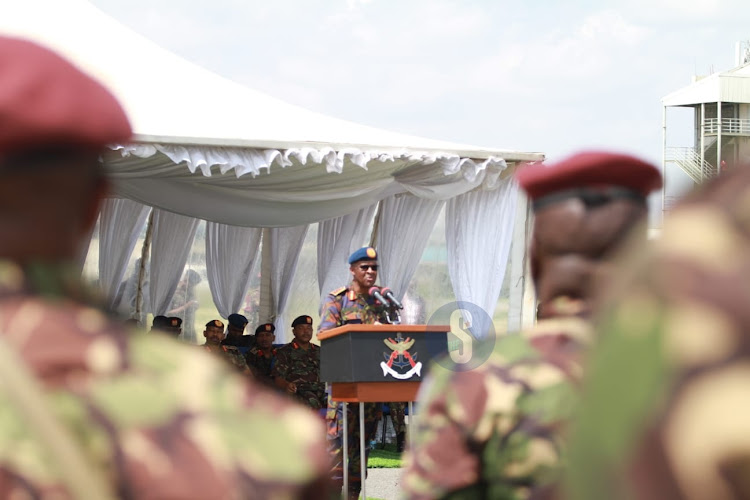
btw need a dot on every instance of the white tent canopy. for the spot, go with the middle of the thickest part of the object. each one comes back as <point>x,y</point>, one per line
<point>206,147</point>
<point>184,115</point>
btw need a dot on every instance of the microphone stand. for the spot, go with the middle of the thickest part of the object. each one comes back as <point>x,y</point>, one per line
<point>392,315</point>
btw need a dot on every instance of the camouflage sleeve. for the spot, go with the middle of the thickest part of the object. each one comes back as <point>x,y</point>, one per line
<point>281,366</point>
<point>618,396</point>
<point>331,317</point>
<point>161,419</point>
<point>664,411</point>
<point>439,460</point>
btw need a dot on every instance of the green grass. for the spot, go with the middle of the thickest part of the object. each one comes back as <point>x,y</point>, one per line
<point>387,458</point>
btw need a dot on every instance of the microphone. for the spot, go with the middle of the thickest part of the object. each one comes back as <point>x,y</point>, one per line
<point>375,292</point>
<point>392,298</point>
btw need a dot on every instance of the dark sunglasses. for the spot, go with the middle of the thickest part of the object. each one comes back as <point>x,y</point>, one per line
<point>365,267</point>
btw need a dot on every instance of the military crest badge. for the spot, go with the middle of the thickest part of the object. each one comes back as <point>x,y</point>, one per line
<point>399,362</point>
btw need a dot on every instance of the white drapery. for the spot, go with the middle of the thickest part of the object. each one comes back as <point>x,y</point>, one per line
<point>286,187</point>
<point>285,245</point>
<point>120,222</point>
<point>172,239</point>
<point>337,239</point>
<point>479,229</point>
<point>403,230</point>
<point>231,253</point>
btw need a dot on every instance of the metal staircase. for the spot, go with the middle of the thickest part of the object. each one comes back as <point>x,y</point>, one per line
<point>689,160</point>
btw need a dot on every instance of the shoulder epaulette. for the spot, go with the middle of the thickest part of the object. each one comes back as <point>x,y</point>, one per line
<point>339,291</point>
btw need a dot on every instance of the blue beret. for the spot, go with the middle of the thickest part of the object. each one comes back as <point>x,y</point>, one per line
<point>364,253</point>
<point>302,320</point>
<point>237,320</point>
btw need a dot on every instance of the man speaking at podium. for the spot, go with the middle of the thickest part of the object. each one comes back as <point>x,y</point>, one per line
<point>347,305</point>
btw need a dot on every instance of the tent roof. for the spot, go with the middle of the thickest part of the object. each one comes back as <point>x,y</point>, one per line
<point>210,148</point>
<point>726,86</point>
<point>171,100</point>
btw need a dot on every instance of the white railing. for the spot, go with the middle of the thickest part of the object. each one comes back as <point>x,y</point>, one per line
<point>689,160</point>
<point>733,126</point>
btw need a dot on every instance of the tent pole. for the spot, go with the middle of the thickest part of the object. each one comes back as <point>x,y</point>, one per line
<point>376,225</point>
<point>266,301</point>
<point>142,271</point>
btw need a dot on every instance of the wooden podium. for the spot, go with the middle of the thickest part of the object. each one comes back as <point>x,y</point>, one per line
<point>376,363</point>
<point>379,363</point>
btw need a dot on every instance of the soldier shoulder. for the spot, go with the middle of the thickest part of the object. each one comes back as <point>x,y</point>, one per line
<point>284,348</point>
<point>339,291</point>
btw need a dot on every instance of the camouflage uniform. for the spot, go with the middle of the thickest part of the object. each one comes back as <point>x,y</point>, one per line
<point>262,365</point>
<point>232,356</point>
<point>341,307</point>
<point>398,414</point>
<point>302,367</point>
<point>495,431</point>
<point>665,413</point>
<point>156,418</point>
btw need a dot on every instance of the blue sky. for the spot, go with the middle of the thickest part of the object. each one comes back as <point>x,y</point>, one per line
<point>542,76</point>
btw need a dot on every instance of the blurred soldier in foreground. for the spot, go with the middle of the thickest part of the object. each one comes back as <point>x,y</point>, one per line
<point>297,368</point>
<point>665,409</point>
<point>496,431</point>
<point>88,409</point>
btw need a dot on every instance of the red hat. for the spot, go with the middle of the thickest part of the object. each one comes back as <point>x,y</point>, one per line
<point>45,100</point>
<point>590,169</point>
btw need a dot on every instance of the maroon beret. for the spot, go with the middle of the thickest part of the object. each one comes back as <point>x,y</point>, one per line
<point>590,169</point>
<point>45,100</point>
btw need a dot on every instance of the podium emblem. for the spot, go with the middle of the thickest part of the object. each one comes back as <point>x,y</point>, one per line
<point>400,363</point>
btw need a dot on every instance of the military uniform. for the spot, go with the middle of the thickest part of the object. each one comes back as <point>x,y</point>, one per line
<point>495,431</point>
<point>302,367</point>
<point>120,396</point>
<point>665,411</point>
<point>104,412</point>
<point>398,416</point>
<point>261,364</point>
<point>344,306</point>
<point>233,357</point>
<point>237,322</point>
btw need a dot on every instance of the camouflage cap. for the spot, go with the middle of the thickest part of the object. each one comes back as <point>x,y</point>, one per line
<point>302,320</point>
<point>265,327</point>
<point>215,323</point>
<point>364,253</point>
